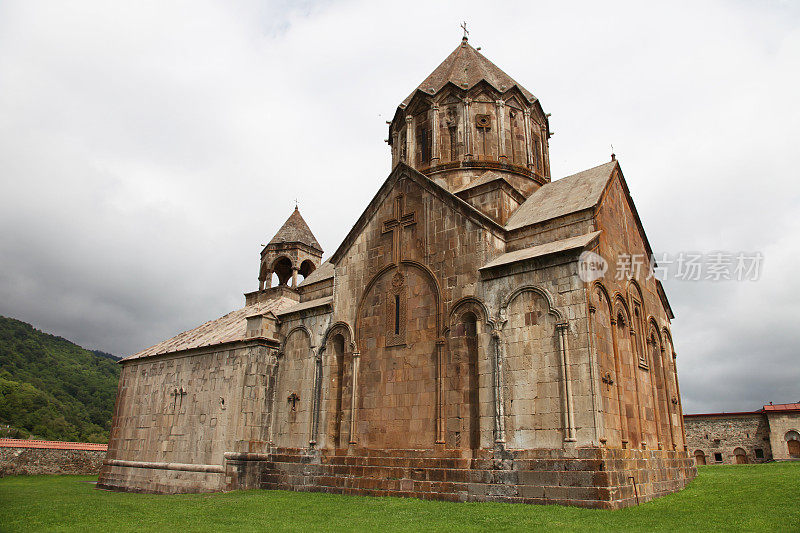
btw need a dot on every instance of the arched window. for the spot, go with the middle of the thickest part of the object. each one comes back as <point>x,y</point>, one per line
<point>306,268</point>
<point>282,268</point>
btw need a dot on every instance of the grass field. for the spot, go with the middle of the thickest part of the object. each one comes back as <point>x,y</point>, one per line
<point>722,498</point>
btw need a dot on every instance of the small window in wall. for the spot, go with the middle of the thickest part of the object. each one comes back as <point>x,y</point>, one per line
<point>718,457</point>
<point>396,312</point>
<point>759,453</point>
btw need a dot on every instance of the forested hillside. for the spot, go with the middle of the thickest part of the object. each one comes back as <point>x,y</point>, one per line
<point>53,389</point>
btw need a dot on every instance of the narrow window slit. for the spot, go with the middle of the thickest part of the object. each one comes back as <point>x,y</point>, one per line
<point>397,314</point>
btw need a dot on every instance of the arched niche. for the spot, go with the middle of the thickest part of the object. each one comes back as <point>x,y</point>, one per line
<point>532,370</point>
<point>398,328</point>
<point>294,388</point>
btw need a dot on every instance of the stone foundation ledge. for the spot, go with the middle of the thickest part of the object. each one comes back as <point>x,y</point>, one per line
<point>587,477</point>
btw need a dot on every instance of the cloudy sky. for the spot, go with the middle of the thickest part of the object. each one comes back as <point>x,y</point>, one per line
<point>149,149</point>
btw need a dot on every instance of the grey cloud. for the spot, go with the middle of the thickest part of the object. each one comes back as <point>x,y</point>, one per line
<point>146,151</point>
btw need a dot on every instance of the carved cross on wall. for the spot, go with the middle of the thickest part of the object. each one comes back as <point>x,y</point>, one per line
<point>177,392</point>
<point>293,399</point>
<point>395,226</point>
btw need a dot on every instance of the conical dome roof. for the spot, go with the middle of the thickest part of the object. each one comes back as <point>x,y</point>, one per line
<point>295,229</point>
<point>465,68</point>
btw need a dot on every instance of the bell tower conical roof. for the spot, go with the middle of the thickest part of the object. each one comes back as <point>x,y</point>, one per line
<point>293,250</point>
<point>295,230</point>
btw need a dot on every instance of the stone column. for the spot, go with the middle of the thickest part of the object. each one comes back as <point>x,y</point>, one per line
<point>353,393</point>
<point>435,148</point>
<point>665,375</point>
<point>528,146</point>
<point>654,394</point>
<point>566,384</point>
<point>500,108</point>
<point>410,156</point>
<point>678,392</point>
<point>639,408</point>
<point>545,152</point>
<point>440,392</point>
<point>395,149</point>
<point>467,131</point>
<point>623,419</point>
<point>273,385</point>
<point>499,394</point>
<point>315,399</point>
<point>294,277</point>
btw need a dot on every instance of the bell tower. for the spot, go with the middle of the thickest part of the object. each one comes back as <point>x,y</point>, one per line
<point>293,250</point>
<point>469,124</point>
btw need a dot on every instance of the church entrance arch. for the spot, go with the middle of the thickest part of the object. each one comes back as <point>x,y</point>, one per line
<point>740,455</point>
<point>700,457</point>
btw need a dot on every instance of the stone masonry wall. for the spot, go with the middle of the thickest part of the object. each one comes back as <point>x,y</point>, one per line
<point>712,434</point>
<point>780,423</point>
<point>175,417</point>
<point>36,461</point>
<point>631,336</point>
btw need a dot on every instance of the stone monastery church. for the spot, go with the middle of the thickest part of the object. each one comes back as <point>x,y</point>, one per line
<point>447,349</point>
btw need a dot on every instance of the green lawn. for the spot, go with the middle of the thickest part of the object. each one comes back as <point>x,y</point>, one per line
<point>722,498</point>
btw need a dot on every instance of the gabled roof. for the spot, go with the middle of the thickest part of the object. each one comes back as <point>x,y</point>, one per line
<point>550,248</point>
<point>465,68</point>
<point>304,306</point>
<point>564,196</point>
<point>487,177</point>
<point>405,171</point>
<point>295,229</point>
<point>229,328</point>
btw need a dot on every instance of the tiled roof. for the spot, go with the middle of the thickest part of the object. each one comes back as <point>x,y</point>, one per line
<point>562,197</point>
<point>782,407</point>
<point>571,243</point>
<point>465,68</point>
<point>310,304</point>
<point>295,229</point>
<point>52,445</point>
<point>229,328</point>
<point>325,271</point>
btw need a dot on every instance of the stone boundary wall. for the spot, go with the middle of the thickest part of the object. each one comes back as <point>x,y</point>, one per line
<point>31,457</point>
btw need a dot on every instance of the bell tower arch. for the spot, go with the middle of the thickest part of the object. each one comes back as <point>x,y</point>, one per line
<point>293,250</point>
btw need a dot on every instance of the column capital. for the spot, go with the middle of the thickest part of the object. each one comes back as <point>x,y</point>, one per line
<point>562,326</point>
<point>435,107</point>
<point>409,119</point>
<point>500,103</point>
